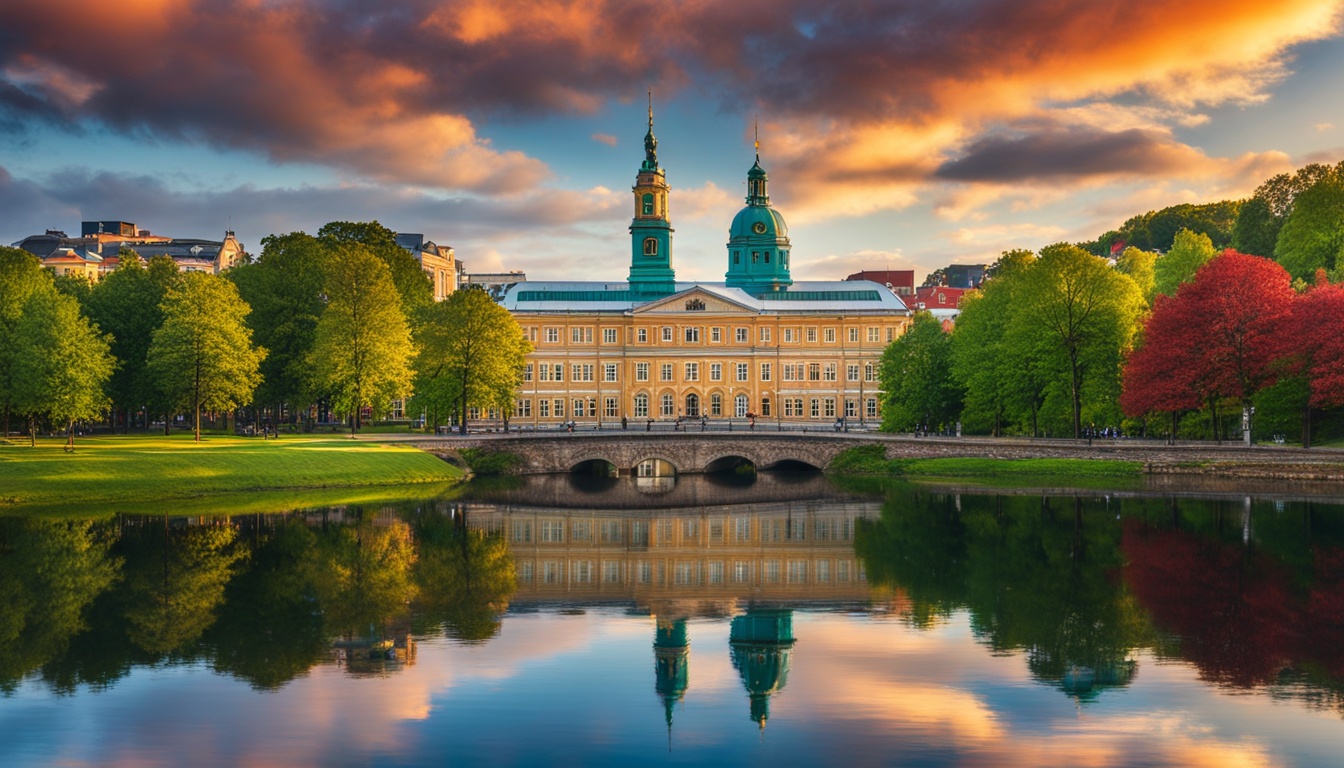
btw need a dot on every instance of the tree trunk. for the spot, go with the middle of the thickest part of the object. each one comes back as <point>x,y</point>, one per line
<point>1306,427</point>
<point>196,408</point>
<point>32,431</point>
<point>70,436</point>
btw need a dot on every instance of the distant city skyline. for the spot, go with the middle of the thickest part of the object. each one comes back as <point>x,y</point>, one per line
<point>897,135</point>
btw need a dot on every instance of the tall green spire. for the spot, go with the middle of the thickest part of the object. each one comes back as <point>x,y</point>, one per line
<point>651,230</point>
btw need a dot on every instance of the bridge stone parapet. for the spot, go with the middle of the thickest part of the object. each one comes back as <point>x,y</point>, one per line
<point>688,452</point>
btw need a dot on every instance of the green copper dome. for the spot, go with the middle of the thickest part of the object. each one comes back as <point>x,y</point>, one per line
<point>758,241</point>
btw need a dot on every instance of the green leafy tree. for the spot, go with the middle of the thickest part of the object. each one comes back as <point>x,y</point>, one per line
<point>1083,315</point>
<point>127,304</point>
<point>203,356</point>
<point>1262,216</point>
<point>916,375</point>
<point>284,287</point>
<point>413,285</point>
<point>21,274</point>
<point>1141,268</point>
<point>472,354</point>
<point>1189,252</point>
<point>362,348</point>
<point>62,362</point>
<point>1313,234</point>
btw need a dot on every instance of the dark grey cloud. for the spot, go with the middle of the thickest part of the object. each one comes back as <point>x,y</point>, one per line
<point>1067,154</point>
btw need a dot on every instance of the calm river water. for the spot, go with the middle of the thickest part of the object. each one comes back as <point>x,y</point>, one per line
<point>780,621</point>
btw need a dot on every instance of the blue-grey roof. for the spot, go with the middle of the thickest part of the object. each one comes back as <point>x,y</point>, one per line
<point>850,296</point>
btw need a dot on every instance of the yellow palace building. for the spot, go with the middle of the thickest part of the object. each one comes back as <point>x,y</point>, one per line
<point>757,347</point>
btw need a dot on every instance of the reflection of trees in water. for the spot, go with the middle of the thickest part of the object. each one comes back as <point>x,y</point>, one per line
<point>50,572</point>
<point>361,574</point>
<point>1037,575</point>
<point>175,582</point>
<point>1250,594</point>
<point>466,577</point>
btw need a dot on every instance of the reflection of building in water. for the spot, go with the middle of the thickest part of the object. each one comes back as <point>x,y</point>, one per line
<point>1086,683</point>
<point>671,651</point>
<point>793,552</point>
<point>762,645</point>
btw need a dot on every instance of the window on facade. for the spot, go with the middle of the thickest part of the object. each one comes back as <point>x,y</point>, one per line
<point>828,407</point>
<point>527,372</point>
<point>642,335</point>
<point>790,335</point>
<point>854,335</point>
<point>891,334</point>
<point>558,406</point>
<point>716,572</point>
<point>524,408</point>
<point>755,256</point>
<point>765,335</point>
<point>692,335</point>
<point>610,371</point>
<point>650,246</point>
<point>608,335</point>
<point>647,206</point>
<point>765,371</point>
<point>740,406</point>
<point>716,404</point>
<point>667,334</point>
<point>552,335</point>
<point>667,405</point>
<point>552,531</point>
<point>665,372</point>
<point>828,372</point>
<point>578,410</point>
<point>828,335</point>
<point>742,372</point>
<point>741,335</point>
<point>692,372</point>
<point>816,408</point>
<point>869,372</point>
<point>715,335</point>
<point>814,371</point>
<point>611,531</point>
<point>870,408</point>
<point>610,409</point>
<point>611,571</point>
<point>811,335</point>
<point>851,409</point>
<point>581,372</point>
<point>641,371</point>
<point>873,337</point>
<point>852,372</point>
<point>522,531</point>
<point>641,406</point>
<point>765,406</point>
<point>544,409</point>
<point>716,371</point>
<point>580,335</point>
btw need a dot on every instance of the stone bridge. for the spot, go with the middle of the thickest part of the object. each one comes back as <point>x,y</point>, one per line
<point>686,452</point>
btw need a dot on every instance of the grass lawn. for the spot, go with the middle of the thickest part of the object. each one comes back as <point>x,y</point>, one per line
<point>869,460</point>
<point>171,471</point>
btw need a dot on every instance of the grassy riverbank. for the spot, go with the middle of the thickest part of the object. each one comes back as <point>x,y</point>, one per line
<point>175,472</point>
<point>871,460</point>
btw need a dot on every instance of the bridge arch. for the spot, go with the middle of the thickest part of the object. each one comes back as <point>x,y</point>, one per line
<point>730,462</point>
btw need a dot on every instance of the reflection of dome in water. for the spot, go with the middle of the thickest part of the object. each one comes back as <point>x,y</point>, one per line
<point>1087,683</point>
<point>671,651</point>
<point>762,648</point>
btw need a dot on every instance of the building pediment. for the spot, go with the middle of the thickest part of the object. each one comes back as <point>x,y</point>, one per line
<point>695,300</point>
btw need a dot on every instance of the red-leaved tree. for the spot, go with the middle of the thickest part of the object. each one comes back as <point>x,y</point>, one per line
<point>1222,335</point>
<point>1317,319</point>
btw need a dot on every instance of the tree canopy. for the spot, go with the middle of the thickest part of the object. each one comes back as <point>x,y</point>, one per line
<point>916,375</point>
<point>203,356</point>
<point>1189,251</point>
<point>362,344</point>
<point>472,353</point>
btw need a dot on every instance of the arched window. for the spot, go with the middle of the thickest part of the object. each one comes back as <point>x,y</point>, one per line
<point>740,406</point>
<point>650,246</point>
<point>669,406</point>
<point>648,205</point>
<point>692,406</point>
<point>641,406</point>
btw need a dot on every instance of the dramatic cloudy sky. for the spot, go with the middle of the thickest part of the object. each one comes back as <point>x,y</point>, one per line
<point>897,133</point>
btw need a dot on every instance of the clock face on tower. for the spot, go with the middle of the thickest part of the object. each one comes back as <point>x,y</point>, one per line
<point>758,227</point>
